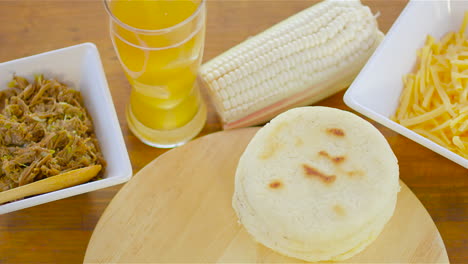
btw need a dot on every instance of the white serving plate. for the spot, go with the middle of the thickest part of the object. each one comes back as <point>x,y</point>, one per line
<point>376,91</point>
<point>80,67</point>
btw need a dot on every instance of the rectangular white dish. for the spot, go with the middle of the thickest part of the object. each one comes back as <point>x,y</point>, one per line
<point>376,91</point>
<point>79,67</point>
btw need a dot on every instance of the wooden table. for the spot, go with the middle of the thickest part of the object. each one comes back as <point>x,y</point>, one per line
<point>58,232</point>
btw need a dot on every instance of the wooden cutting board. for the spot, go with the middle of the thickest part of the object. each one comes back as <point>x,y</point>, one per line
<point>178,209</point>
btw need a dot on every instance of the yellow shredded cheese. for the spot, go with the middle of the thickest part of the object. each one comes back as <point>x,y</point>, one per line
<point>434,100</point>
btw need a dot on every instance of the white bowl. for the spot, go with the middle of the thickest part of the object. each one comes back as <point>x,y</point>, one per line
<point>80,67</point>
<point>376,91</point>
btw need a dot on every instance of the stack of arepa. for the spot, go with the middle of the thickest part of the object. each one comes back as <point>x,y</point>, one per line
<point>316,183</point>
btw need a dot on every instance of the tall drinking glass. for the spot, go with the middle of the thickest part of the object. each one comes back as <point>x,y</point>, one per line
<point>160,46</point>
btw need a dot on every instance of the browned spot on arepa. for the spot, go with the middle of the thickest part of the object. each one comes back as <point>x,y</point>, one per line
<point>336,132</point>
<point>313,172</point>
<point>336,160</point>
<point>339,210</point>
<point>272,144</point>
<point>356,173</point>
<point>276,184</point>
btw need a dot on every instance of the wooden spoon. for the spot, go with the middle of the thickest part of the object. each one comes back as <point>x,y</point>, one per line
<point>50,184</point>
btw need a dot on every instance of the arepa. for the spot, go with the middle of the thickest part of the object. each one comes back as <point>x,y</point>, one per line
<point>316,183</point>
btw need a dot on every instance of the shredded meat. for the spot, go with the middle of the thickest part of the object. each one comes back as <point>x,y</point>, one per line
<point>45,130</point>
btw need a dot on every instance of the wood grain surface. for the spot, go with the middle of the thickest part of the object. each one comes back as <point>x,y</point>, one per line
<point>58,232</point>
<point>179,219</point>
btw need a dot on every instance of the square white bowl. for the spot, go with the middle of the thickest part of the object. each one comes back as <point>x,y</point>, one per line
<point>376,90</point>
<point>80,67</point>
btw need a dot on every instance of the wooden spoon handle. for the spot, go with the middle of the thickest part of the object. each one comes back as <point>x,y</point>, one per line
<point>50,184</point>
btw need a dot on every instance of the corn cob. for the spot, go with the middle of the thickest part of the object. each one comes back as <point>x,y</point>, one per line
<point>299,61</point>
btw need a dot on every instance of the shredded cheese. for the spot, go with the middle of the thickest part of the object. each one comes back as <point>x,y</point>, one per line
<point>434,100</point>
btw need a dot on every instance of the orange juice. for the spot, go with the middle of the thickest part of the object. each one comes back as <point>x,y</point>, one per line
<point>160,44</point>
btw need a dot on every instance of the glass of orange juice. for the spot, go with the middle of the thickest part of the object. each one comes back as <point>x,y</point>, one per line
<point>160,46</point>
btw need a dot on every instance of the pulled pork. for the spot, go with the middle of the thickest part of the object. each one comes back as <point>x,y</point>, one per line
<point>44,131</point>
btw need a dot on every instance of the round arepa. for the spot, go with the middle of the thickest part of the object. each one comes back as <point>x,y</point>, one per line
<point>316,183</point>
